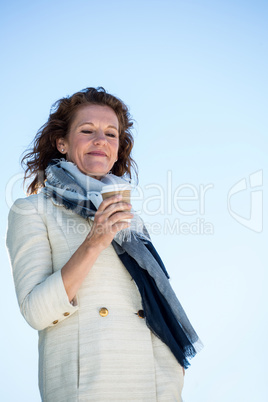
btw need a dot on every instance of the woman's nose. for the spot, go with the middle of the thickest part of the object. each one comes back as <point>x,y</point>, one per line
<point>100,137</point>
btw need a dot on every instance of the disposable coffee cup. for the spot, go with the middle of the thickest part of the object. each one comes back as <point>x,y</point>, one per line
<point>115,189</point>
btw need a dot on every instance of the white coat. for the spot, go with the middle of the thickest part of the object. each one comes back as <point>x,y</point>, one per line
<point>97,348</point>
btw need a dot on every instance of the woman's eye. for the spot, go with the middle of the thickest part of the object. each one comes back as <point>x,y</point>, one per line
<point>111,135</point>
<point>86,132</point>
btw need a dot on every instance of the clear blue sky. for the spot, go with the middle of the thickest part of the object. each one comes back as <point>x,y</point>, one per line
<point>194,74</point>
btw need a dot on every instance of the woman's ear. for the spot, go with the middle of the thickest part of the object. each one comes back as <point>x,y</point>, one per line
<point>62,146</point>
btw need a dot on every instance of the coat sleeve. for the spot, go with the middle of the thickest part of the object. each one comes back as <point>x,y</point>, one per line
<point>41,293</point>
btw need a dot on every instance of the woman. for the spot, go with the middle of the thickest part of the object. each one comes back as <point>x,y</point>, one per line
<point>110,326</point>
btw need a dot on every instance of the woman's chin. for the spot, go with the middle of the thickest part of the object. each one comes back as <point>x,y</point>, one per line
<point>94,171</point>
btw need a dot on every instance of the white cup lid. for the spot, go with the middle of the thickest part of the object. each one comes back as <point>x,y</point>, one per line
<point>115,187</point>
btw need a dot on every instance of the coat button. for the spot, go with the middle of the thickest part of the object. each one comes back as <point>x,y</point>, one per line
<point>66,314</point>
<point>55,322</point>
<point>103,312</point>
<point>140,313</point>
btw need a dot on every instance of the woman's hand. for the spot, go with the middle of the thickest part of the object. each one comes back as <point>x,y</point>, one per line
<point>108,221</point>
<point>106,224</point>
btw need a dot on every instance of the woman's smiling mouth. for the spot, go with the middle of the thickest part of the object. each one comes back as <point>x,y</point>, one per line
<point>97,153</point>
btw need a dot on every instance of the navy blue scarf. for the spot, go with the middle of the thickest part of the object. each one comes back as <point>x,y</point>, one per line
<point>163,313</point>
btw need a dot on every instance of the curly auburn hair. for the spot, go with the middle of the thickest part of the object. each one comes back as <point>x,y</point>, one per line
<point>61,115</point>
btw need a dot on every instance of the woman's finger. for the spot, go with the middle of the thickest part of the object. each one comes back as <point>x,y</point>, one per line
<point>107,226</point>
<point>102,215</point>
<point>119,226</point>
<point>108,201</point>
<point>120,216</point>
<point>108,229</point>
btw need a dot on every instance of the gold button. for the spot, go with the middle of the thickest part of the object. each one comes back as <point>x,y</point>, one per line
<point>66,314</point>
<point>55,322</point>
<point>103,311</point>
<point>140,313</point>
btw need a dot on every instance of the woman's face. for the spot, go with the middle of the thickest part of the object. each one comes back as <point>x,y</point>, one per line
<point>93,140</point>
